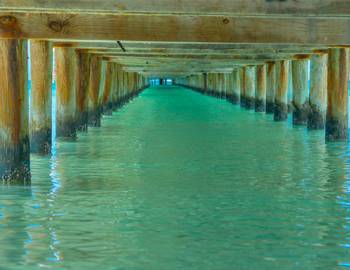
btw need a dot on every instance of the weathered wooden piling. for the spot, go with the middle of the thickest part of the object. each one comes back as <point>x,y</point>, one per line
<point>260,100</point>
<point>14,133</point>
<point>250,87</point>
<point>300,71</point>
<point>41,96</point>
<point>318,91</point>
<point>281,97</point>
<point>66,72</point>
<point>271,87</point>
<point>84,65</point>
<point>94,112</point>
<point>229,86</point>
<point>338,86</point>
<point>236,86</point>
<point>107,101</point>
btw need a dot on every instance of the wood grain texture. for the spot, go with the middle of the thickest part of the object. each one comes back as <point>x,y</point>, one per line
<point>338,94</point>
<point>14,133</point>
<point>41,53</point>
<point>239,7</point>
<point>174,28</point>
<point>66,72</point>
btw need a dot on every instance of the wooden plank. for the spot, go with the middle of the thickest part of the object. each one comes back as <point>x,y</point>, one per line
<point>239,7</point>
<point>167,47</point>
<point>180,28</point>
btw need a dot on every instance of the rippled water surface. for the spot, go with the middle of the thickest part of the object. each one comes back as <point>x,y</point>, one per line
<point>177,180</point>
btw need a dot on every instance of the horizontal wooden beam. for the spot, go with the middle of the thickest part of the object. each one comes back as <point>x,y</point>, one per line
<point>165,47</point>
<point>238,54</point>
<point>180,28</point>
<point>237,7</point>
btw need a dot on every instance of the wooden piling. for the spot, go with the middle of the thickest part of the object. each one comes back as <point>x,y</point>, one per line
<point>83,79</point>
<point>318,91</point>
<point>41,96</point>
<point>338,85</point>
<point>300,70</point>
<point>250,87</point>
<point>236,86</point>
<point>94,112</point>
<point>281,97</point>
<point>14,133</point>
<point>66,72</point>
<point>107,101</point>
<point>271,87</point>
<point>260,99</point>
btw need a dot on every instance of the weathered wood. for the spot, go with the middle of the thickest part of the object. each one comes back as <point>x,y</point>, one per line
<point>238,7</point>
<point>107,102</point>
<point>338,93</point>
<point>94,112</point>
<point>250,87</point>
<point>84,66</point>
<point>300,71</point>
<point>200,28</point>
<point>260,98</point>
<point>281,97</point>
<point>66,72</point>
<point>14,134</point>
<point>236,85</point>
<point>41,55</point>
<point>318,91</point>
<point>271,87</point>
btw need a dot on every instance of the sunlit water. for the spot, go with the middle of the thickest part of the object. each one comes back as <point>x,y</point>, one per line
<point>177,180</point>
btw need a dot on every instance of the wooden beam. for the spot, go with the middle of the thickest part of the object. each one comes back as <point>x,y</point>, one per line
<point>237,7</point>
<point>180,28</point>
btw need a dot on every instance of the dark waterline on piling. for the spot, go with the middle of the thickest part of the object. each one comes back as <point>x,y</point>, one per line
<point>178,180</point>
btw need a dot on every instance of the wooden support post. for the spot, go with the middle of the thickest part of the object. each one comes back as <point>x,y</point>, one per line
<point>205,78</point>
<point>338,86</point>
<point>94,112</point>
<point>318,91</point>
<point>300,71</point>
<point>281,98</point>
<point>243,87</point>
<point>290,89</point>
<point>229,86</point>
<point>66,69</point>
<point>14,133</point>
<point>236,86</point>
<point>84,67</point>
<point>106,99</point>
<point>271,87</point>
<point>250,86</point>
<point>41,96</point>
<point>117,86</point>
<point>260,100</point>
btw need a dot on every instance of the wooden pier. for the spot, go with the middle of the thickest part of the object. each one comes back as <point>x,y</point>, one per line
<point>251,52</point>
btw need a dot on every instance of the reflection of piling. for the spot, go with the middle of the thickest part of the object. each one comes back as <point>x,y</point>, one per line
<point>14,134</point>
<point>281,98</point>
<point>300,91</point>
<point>338,80</point>
<point>41,97</point>
<point>318,91</point>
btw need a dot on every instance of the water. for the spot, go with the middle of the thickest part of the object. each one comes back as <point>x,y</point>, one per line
<point>177,180</point>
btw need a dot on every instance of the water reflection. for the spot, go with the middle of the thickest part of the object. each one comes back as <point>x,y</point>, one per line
<point>176,180</point>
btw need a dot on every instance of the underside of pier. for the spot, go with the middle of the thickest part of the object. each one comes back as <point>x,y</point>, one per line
<point>270,56</point>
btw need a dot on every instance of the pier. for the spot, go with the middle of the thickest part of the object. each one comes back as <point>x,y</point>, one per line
<point>253,53</point>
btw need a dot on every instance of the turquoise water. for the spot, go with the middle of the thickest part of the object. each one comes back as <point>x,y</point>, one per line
<point>177,180</point>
